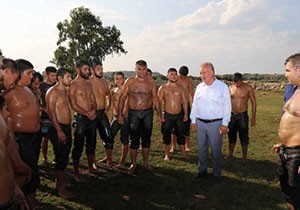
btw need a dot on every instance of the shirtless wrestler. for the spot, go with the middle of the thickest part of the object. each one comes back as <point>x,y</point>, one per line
<point>34,86</point>
<point>141,92</point>
<point>50,80</point>
<point>83,102</point>
<point>289,137</point>
<point>187,83</point>
<point>172,99</point>
<point>240,93</point>
<point>7,179</point>
<point>8,74</point>
<point>119,80</point>
<point>25,123</point>
<point>102,97</point>
<point>22,173</point>
<point>60,132</point>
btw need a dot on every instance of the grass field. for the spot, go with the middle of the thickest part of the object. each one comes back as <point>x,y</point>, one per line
<point>171,185</point>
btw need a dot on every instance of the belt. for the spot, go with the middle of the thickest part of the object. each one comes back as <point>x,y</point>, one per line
<point>209,121</point>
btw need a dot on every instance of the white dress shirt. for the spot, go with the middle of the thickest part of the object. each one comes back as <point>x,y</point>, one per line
<point>212,102</point>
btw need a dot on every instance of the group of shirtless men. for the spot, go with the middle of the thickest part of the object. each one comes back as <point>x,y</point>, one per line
<point>24,120</point>
<point>89,96</point>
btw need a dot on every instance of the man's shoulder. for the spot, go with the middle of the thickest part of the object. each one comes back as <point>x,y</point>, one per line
<point>221,83</point>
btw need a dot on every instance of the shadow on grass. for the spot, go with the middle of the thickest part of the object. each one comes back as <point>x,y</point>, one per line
<point>170,188</point>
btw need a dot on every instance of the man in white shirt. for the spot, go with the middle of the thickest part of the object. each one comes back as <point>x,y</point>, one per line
<point>210,115</point>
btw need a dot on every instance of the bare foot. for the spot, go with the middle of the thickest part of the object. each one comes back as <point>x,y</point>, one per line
<point>121,166</point>
<point>172,150</point>
<point>65,194</point>
<point>167,158</point>
<point>131,169</point>
<point>148,167</point>
<point>246,161</point>
<point>79,178</point>
<point>104,160</point>
<point>93,171</point>
<point>187,149</point>
<point>111,166</point>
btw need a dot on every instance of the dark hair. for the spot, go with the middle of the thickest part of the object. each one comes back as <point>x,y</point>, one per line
<point>9,63</point>
<point>50,69</point>
<point>62,71</point>
<point>96,63</point>
<point>2,101</point>
<point>237,77</point>
<point>23,65</point>
<point>120,73</point>
<point>294,59</point>
<point>149,70</point>
<point>184,70</point>
<point>80,64</point>
<point>141,63</point>
<point>38,76</point>
<point>172,70</point>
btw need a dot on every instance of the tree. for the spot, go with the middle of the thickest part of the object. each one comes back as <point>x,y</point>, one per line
<point>85,38</point>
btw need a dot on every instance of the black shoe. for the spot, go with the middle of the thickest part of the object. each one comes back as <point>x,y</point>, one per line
<point>200,175</point>
<point>217,179</point>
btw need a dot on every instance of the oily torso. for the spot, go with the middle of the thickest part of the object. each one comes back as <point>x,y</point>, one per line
<point>289,132</point>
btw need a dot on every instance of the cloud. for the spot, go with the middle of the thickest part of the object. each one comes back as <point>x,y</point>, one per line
<point>111,15</point>
<point>235,34</point>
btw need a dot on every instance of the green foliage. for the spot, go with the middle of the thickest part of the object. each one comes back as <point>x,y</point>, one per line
<point>84,37</point>
<point>255,77</point>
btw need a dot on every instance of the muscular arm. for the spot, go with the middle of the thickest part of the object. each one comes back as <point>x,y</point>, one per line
<point>108,97</point>
<point>160,100</point>
<point>21,170</point>
<point>253,106</point>
<point>185,105</point>
<point>73,102</point>
<point>155,100</point>
<point>190,91</point>
<point>122,99</point>
<point>51,100</point>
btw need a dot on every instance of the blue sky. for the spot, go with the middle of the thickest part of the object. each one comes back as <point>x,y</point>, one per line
<point>247,36</point>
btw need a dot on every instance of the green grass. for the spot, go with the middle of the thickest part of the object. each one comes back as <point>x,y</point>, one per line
<point>172,186</point>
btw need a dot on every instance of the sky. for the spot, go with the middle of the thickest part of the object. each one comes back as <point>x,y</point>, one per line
<point>247,36</point>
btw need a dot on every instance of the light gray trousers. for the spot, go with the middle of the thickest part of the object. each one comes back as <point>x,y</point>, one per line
<point>208,134</point>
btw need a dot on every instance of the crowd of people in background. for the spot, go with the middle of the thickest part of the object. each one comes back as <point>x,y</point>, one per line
<point>34,110</point>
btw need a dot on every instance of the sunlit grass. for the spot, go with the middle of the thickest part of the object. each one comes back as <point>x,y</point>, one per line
<point>171,185</point>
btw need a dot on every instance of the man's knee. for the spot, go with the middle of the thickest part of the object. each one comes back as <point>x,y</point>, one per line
<point>146,143</point>
<point>134,144</point>
<point>181,140</point>
<point>109,144</point>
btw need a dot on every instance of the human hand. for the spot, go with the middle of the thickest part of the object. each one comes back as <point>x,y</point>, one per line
<point>21,199</point>
<point>193,127</point>
<point>61,137</point>
<point>223,129</point>
<point>120,119</point>
<point>91,115</point>
<point>162,118</point>
<point>253,121</point>
<point>185,118</point>
<point>276,148</point>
